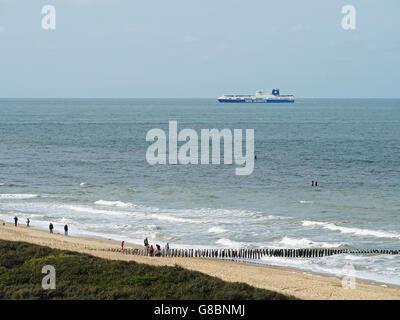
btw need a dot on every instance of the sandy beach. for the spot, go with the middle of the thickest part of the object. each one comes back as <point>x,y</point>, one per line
<point>303,285</point>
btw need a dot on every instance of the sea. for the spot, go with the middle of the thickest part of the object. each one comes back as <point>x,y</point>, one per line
<point>82,162</point>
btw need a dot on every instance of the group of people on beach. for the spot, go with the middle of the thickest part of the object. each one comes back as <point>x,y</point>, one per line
<point>155,252</point>
<point>51,227</point>
<point>150,249</point>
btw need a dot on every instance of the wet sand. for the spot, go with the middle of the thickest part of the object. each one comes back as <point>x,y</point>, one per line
<point>298,283</point>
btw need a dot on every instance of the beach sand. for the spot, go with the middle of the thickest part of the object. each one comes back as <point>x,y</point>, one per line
<point>297,283</point>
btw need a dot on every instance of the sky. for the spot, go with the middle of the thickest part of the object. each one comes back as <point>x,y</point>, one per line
<point>204,49</point>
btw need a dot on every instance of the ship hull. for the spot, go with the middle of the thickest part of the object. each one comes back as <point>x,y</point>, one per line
<point>256,101</point>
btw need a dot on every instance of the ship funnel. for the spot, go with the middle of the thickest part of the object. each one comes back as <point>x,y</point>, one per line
<point>275,92</point>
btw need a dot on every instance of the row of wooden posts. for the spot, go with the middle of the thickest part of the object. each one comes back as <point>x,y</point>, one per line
<point>250,253</point>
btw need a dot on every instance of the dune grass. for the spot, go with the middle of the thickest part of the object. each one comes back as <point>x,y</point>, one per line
<point>85,277</point>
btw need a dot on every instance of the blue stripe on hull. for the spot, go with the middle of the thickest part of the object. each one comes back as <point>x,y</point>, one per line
<point>254,101</point>
<point>280,101</point>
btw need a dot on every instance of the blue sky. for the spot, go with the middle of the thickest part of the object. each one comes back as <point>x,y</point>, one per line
<point>187,48</point>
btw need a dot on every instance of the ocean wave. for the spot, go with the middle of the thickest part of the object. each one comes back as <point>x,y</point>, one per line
<point>18,196</point>
<point>138,214</point>
<point>225,242</point>
<point>306,202</point>
<point>175,219</point>
<point>13,185</point>
<point>86,209</point>
<point>303,243</point>
<point>87,185</point>
<point>217,230</point>
<point>355,231</point>
<point>113,203</point>
<point>164,238</point>
<point>225,215</point>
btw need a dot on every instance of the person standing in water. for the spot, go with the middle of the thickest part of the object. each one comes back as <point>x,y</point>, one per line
<point>28,222</point>
<point>51,227</point>
<point>16,220</point>
<point>66,230</point>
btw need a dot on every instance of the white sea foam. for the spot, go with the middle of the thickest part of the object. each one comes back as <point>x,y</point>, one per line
<point>18,196</point>
<point>175,219</point>
<point>225,242</point>
<point>287,242</point>
<point>162,217</point>
<point>355,231</point>
<point>306,202</point>
<point>86,209</point>
<point>87,184</point>
<point>217,230</point>
<point>113,203</point>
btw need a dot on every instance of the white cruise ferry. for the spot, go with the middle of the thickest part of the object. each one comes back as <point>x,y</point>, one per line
<point>259,97</point>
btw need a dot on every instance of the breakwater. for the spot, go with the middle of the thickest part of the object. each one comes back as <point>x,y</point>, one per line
<point>252,254</point>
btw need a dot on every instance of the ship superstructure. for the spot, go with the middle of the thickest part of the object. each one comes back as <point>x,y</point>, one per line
<point>259,97</point>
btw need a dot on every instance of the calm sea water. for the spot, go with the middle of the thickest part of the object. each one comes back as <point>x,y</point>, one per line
<point>82,162</point>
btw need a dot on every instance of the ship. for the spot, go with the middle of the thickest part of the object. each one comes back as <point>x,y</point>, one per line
<point>259,97</point>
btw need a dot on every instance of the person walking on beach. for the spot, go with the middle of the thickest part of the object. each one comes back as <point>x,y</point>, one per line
<point>16,220</point>
<point>66,230</point>
<point>28,222</point>
<point>122,245</point>
<point>51,227</point>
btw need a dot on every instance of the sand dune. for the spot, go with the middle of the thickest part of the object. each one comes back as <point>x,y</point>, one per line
<point>304,285</point>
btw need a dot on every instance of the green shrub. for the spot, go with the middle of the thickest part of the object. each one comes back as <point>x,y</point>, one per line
<point>81,276</point>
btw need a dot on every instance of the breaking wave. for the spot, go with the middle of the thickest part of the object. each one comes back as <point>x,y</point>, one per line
<point>113,203</point>
<point>18,196</point>
<point>217,230</point>
<point>304,243</point>
<point>355,231</point>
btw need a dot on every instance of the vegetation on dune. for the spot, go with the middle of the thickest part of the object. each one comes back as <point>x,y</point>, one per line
<point>81,276</point>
